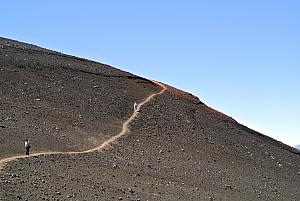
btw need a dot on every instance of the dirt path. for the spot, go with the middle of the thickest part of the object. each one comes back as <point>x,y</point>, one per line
<point>104,144</point>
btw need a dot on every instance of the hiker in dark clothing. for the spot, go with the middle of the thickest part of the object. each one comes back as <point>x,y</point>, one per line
<point>27,147</point>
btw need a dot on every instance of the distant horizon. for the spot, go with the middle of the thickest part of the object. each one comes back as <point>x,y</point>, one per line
<point>240,58</point>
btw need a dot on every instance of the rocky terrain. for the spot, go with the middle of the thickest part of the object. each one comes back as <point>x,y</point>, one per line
<point>177,147</point>
<point>60,102</point>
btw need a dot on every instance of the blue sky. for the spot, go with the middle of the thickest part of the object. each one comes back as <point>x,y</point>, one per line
<point>239,57</point>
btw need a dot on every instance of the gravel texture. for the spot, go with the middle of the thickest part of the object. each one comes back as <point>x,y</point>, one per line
<point>45,98</point>
<point>177,149</point>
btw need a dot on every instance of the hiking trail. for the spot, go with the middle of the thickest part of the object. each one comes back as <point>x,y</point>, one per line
<point>104,144</point>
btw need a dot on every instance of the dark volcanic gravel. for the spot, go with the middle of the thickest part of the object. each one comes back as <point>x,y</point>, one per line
<point>177,149</point>
<point>44,97</point>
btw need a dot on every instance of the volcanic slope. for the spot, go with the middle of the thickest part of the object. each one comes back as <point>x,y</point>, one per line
<point>60,102</point>
<point>177,148</point>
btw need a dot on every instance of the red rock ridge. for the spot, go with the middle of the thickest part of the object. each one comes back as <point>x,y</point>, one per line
<point>195,100</point>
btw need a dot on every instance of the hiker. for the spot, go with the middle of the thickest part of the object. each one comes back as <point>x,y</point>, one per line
<point>135,107</point>
<point>27,147</point>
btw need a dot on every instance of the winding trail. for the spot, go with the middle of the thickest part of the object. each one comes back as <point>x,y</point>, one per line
<point>104,144</point>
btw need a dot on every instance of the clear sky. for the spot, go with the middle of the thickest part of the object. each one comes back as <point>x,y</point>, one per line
<point>239,57</point>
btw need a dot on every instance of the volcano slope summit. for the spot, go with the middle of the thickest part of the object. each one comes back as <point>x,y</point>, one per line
<point>176,147</point>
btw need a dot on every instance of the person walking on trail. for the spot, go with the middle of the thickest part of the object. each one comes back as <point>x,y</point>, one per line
<point>135,107</point>
<point>27,147</point>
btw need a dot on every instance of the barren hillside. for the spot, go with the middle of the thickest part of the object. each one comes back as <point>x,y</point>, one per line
<point>177,148</point>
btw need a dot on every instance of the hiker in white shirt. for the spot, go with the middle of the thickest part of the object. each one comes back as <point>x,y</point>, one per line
<point>27,147</point>
<point>135,107</point>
